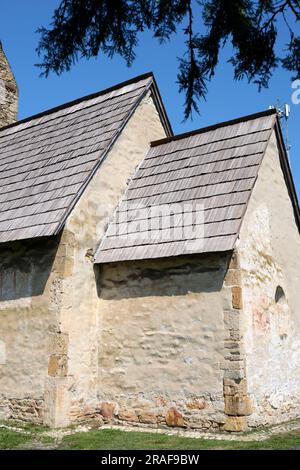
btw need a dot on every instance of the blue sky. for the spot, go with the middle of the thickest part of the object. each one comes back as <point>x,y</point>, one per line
<point>226,98</point>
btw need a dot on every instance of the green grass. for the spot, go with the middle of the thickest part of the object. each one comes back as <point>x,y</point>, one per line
<point>25,426</point>
<point>27,436</point>
<point>10,440</point>
<point>120,440</point>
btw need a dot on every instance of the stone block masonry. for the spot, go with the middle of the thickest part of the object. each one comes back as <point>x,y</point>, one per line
<point>58,380</point>
<point>30,410</point>
<point>237,403</point>
<point>8,92</point>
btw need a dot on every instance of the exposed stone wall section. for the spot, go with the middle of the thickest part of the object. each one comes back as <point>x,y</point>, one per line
<point>58,380</point>
<point>158,412</point>
<point>26,409</point>
<point>8,92</point>
<point>236,398</point>
<point>199,413</point>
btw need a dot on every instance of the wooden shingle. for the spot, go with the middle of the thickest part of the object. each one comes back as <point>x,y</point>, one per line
<point>205,178</point>
<point>46,161</point>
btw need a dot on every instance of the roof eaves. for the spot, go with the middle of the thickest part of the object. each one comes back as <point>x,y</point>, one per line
<point>161,109</point>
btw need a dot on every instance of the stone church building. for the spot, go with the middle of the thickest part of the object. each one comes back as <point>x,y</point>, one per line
<point>146,278</point>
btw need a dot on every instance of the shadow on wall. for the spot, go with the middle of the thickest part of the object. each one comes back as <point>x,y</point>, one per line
<point>162,277</point>
<point>25,267</point>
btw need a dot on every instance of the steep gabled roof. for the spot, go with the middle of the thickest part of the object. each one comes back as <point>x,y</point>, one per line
<point>211,171</point>
<point>46,161</point>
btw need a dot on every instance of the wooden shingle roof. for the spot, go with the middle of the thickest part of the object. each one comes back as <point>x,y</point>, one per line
<point>46,161</point>
<point>211,171</point>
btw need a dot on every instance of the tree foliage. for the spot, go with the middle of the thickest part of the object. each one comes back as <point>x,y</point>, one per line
<point>85,28</point>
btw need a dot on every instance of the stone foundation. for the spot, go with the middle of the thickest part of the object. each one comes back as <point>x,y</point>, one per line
<point>267,412</point>
<point>205,413</point>
<point>30,410</point>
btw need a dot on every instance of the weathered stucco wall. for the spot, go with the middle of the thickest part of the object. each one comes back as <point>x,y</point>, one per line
<point>270,256</point>
<point>161,340</point>
<point>28,312</point>
<point>73,387</point>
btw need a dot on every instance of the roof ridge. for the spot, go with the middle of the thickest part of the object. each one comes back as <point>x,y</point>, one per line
<point>212,127</point>
<point>80,100</point>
